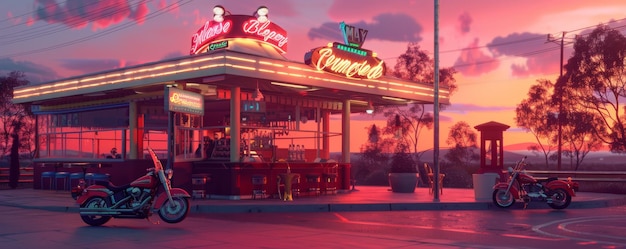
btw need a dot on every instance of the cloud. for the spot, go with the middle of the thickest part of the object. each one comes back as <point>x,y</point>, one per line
<point>100,14</point>
<point>383,27</point>
<point>465,108</point>
<point>464,23</point>
<point>474,62</point>
<point>34,73</point>
<point>84,66</point>
<point>542,57</point>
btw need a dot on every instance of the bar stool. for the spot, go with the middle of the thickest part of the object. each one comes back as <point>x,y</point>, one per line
<point>313,184</point>
<point>97,177</point>
<point>199,184</point>
<point>76,177</point>
<point>47,175</point>
<point>259,183</point>
<point>91,178</point>
<point>62,176</point>
<point>330,183</point>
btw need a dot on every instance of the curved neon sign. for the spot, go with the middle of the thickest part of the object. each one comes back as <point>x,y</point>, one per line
<point>348,64</point>
<point>239,26</point>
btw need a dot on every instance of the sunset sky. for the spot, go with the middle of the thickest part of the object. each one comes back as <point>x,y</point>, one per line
<point>499,48</point>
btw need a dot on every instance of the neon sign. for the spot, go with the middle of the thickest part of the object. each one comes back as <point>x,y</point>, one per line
<point>338,59</point>
<point>177,100</point>
<point>353,36</point>
<point>239,26</point>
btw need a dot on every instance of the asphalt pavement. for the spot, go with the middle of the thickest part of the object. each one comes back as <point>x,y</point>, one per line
<point>363,198</point>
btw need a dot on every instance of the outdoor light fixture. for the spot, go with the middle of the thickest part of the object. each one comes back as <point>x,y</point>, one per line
<point>257,95</point>
<point>218,13</point>
<point>261,14</point>
<point>370,108</point>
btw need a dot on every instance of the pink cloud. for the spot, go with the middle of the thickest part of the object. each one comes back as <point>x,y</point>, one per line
<point>464,23</point>
<point>101,14</point>
<point>474,62</point>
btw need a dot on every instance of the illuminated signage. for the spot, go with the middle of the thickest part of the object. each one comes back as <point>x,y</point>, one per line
<point>177,100</point>
<point>238,26</point>
<point>217,45</point>
<point>353,36</point>
<point>347,61</point>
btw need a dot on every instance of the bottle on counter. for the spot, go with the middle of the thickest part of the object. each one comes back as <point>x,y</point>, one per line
<point>298,152</point>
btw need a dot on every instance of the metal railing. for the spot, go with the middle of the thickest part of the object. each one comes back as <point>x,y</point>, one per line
<point>582,176</point>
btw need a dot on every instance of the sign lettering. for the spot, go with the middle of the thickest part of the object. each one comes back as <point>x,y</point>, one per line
<point>348,64</point>
<point>209,32</point>
<point>177,100</point>
<point>353,36</point>
<point>238,26</point>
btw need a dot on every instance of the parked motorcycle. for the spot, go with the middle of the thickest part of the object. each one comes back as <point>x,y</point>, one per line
<point>521,186</point>
<point>138,199</point>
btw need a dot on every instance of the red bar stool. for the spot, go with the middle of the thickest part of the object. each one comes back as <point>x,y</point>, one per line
<point>313,184</point>
<point>259,183</point>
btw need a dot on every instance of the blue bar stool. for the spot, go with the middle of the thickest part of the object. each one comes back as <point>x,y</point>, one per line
<point>75,177</point>
<point>62,176</point>
<point>91,178</point>
<point>47,175</point>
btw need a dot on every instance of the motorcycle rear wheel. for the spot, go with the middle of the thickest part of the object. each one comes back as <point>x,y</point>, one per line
<point>560,199</point>
<point>502,198</point>
<point>95,220</point>
<point>174,212</point>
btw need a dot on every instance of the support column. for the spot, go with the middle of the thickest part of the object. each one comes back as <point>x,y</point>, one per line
<point>235,123</point>
<point>132,127</point>
<point>345,132</point>
<point>326,136</point>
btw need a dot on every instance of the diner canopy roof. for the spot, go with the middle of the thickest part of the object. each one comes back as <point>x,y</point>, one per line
<point>246,64</point>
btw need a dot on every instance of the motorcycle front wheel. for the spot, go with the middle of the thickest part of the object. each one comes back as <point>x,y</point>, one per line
<point>95,220</point>
<point>502,198</point>
<point>176,211</point>
<point>560,199</point>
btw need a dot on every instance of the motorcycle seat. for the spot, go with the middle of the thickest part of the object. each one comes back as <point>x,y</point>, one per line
<point>113,187</point>
<point>549,179</point>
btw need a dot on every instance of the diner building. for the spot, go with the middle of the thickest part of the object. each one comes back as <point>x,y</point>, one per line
<point>230,118</point>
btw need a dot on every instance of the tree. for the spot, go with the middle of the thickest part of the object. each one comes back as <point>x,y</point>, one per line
<point>16,124</point>
<point>462,139</point>
<point>595,81</point>
<point>536,114</point>
<point>406,123</point>
<point>373,158</point>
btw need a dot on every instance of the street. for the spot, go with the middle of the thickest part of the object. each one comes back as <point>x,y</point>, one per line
<point>515,228</point>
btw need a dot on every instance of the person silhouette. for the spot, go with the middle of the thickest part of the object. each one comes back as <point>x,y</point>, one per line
<point>114,154</point>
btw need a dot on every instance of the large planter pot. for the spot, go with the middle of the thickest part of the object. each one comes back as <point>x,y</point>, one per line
<point>403,182</point>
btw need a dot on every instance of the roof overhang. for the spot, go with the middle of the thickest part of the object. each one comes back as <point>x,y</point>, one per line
<point>227,69</point>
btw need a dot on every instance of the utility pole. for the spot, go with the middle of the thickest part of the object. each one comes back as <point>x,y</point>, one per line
<point>560,93</point>
<point>436,107</point>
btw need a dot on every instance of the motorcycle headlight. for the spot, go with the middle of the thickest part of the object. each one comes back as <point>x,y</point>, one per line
<point>169,173</point>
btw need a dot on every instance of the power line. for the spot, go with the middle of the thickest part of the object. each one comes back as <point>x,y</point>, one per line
<point>90,37</point>
<point>40,31</point>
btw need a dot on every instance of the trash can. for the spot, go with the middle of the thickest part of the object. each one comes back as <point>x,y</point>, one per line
<point>483,185</point>
<point>199,184</point>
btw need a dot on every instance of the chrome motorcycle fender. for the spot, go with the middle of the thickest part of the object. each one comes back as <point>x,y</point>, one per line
<point>561,184</point>
<point>175,192</point>
<point>91,191</point>
<point>504,186</point>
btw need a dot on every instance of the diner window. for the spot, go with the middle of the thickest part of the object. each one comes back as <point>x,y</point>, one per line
<point>92,134</point>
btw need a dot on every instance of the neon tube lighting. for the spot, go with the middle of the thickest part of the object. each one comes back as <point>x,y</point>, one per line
<point>289,85</point>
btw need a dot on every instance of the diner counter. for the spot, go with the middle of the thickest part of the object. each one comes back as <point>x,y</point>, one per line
<point>241,180</point>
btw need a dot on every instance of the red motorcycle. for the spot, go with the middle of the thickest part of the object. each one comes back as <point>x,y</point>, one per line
<point>521,186</point>
<point>138,199</point>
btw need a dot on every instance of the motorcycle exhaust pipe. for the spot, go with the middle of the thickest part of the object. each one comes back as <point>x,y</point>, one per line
<point>100,213</point>
<point>104,210</point>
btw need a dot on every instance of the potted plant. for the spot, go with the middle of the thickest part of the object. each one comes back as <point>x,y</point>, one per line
<point>403,172</point>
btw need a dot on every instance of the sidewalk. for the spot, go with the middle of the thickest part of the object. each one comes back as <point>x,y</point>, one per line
<point>365,198</point>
